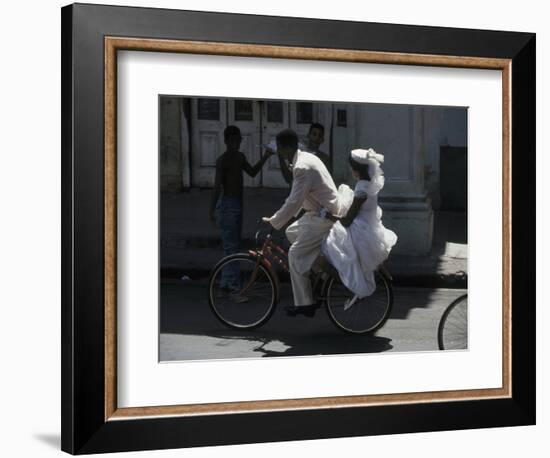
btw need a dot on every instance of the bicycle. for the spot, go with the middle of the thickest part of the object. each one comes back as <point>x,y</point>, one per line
<point>452,332</point>
<point>253,303</point>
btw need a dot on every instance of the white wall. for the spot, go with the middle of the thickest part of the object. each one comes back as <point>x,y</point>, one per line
<point>390,130</point>
<point>30,229</point>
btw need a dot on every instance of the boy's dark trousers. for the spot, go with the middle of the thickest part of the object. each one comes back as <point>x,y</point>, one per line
<point>230,221</point>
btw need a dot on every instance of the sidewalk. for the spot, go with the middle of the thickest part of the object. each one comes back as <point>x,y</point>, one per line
<point>190,242</point>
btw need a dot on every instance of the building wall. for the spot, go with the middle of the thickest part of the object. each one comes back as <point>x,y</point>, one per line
<point>411,139</point>
<point>173,144</point>
<point>389,130</point>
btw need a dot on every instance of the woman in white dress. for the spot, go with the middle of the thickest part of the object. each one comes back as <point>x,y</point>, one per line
<point>358,243</point>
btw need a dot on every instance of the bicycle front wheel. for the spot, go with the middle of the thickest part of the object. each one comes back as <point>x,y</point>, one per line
<point>452,332</point>
<point>359,316</point>
<point>242,292</point>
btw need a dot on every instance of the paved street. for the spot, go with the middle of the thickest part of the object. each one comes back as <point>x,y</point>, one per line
<point>190,331</point>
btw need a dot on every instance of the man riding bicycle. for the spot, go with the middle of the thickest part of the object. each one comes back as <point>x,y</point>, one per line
<point>312,189</point>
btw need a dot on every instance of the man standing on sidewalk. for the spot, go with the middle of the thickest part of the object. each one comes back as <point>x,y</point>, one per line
<point>312,189</point>
<point>315,138</point>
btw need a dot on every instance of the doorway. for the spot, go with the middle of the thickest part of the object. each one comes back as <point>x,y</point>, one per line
<point>259,122</point>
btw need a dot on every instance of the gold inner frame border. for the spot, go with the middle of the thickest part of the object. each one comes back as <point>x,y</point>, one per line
<point>114,44</point>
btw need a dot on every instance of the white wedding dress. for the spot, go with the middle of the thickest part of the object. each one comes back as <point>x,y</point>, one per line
<point>358,250</point>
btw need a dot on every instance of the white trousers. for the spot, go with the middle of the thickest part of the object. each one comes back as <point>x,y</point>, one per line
<point>306,236</point>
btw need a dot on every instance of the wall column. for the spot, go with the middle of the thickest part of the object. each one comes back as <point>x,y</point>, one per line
<point>170,144</point>
<point>398,133</point>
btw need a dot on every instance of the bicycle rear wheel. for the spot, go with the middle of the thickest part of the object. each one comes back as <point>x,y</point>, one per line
<point>452,332</point>
<point>241,292</point>
<point>364,316</point>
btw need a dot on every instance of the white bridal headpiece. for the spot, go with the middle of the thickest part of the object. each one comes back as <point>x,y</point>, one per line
<point>366,156</point>
<point>373,161</point>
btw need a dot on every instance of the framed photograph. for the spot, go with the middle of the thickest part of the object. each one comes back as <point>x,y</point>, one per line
<point>285,228</point>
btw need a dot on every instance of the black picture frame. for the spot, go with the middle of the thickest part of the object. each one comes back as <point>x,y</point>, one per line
<point>84,426</point>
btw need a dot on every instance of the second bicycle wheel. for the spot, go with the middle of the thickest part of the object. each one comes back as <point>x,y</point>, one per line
<point>363,316</point>
<point>452,332</point>
<point>241,292</point>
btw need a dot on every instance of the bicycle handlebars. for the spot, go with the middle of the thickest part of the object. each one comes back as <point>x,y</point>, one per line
<point>261,223</point>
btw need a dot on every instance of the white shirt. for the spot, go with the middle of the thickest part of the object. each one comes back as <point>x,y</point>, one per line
<point>312,189</point>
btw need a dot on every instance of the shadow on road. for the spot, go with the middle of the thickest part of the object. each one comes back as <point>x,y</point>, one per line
<point>265,343</point>
<point>333,344</point>
<point>186,313</point>
<point>408,299</point>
